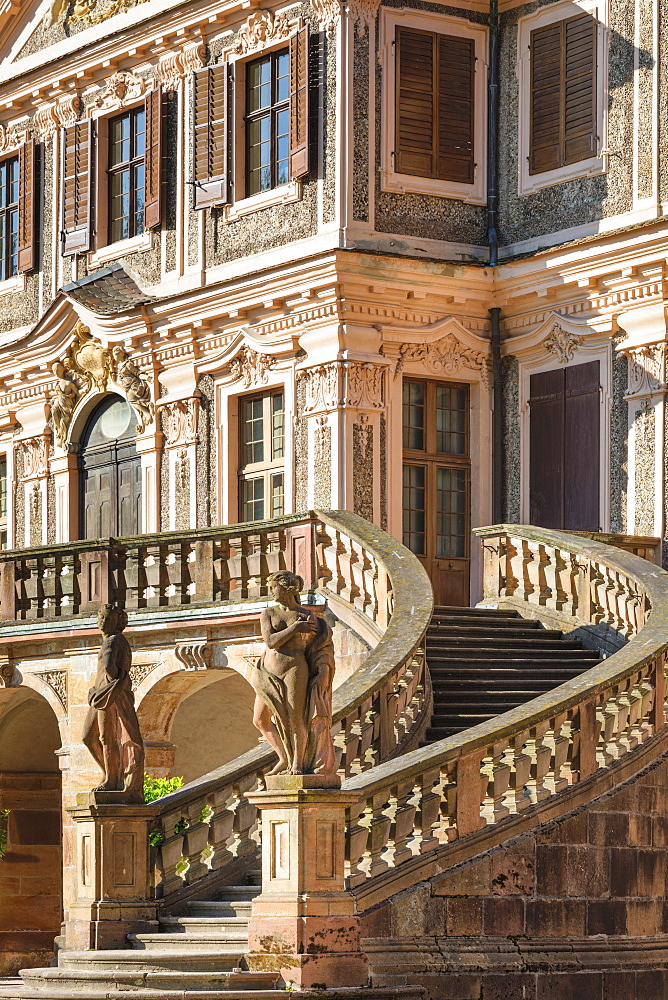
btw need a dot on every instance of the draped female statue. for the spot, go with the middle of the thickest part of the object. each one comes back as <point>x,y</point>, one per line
<point>293,682</point>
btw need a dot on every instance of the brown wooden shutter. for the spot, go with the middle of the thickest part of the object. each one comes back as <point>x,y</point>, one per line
<point>456,69</point>
<point>153,160</point>
<point>210,135</point>
<point>580,89</point>
<point>77,178</point>
<point>26,234</point>
<point>415,151</point>
<point>299,104</point>
<point>546,449</point>
<point>546,117</point>
<point>582,391</point>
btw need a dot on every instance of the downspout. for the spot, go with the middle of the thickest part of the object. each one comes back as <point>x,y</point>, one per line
<point>498,469</point>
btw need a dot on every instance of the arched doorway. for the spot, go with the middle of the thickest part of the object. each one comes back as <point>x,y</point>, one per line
<point>31,870</point>
<point>110,472</point>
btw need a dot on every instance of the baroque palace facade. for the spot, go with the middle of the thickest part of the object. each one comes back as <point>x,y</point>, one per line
<point>261,259</point>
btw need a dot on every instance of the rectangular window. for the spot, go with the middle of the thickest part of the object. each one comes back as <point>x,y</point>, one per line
<point>563,93</point>
<point>127,174</point>
<point>261,477</point>
<point>268,122</point>
<point>3,501</point>
<point>435,105</point>
<point>9,217</point>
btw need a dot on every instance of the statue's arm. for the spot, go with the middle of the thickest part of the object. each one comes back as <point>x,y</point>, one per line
<point>109,656</point>
<point>275,640</point>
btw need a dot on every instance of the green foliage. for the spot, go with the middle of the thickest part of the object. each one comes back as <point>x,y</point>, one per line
<point>155,788</point>
<point>4,815</point>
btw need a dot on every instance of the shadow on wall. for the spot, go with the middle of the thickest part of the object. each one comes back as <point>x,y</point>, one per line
<point>31,870</point>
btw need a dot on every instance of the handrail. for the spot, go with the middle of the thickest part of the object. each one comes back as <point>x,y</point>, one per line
<point>429,797</point>
<point>379,711</point>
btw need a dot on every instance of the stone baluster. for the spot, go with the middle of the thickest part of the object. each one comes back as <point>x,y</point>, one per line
<point>497,771</point>
<point>213,570</point>
<point>222,826</point>
<point>11,587</point>
<point>520,773</point>
<point>428,812</point>
<point>540,756</point>
<point>491,556</point>
<point>379,832</point>
<point>511,560</point>
<point>357,839</point>
<point>558,743</point>
<point>401,813</point>
<point>244,831</point>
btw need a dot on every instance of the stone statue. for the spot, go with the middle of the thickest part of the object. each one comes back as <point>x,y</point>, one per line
<point>64,402</point>
<point>293,683</point>
<point>137,392</point>
<point>111,730</point>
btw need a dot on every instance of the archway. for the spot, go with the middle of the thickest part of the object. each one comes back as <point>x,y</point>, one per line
<point>205,717</point>
<point>31,870</point>
<point>110,472</point>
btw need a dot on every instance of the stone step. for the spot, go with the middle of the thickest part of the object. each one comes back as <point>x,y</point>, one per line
<point>150,992</point>
<point>524,662</point>
<point>504,647</point>
<point>71,982</point>
<point>487,624</point>
<point>444,609</point>
<point>478,632</point>
<point>213,923</point>
<point>220,908</point>
<point>224,943</point>
<point>179,957</point>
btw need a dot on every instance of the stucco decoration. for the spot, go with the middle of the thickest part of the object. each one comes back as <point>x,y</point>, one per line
<point>11,137</point>
<point>50,117</point>
<point>137,390</point>
<point>89,358</point>
<point>181,421</point>
<point>251,367</point>
<point>344,383</point>
<point>647,370</point>
<point>63,403</point>
<point>194,655</point>
<point>176,66</point>
<point>262,28</point>
<point>363,13</point>
<point>140,671</point>
<point>363,467</point>
<point>92,11</point>
<point>562,343</point>
<point>446,357</point>
<point>57,681</point>
<point>7,674</point>
<point>328,13</point>
<point>36,452</point>
<point>121,89</point>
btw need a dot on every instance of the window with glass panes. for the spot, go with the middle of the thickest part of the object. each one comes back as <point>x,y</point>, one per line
<point>9,217</point>
<point>436,469</point>
<point>3,501</point>
<point>267,122</point>
<point>127,174</point>
<point>262,444</point>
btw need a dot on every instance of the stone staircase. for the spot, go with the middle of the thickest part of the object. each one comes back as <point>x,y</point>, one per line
<point>485,661</point>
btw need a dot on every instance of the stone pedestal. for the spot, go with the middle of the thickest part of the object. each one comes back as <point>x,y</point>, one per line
<point>303,924</point>
<point>114,894</point>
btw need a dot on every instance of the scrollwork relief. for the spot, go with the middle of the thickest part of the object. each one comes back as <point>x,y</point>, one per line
<point>181,421</point>
<point>251,368</point>
<point>50,117</point>
<point>7,673</point>
<point>446,357</point>
<point>194,655</point>
<point>176,66</point>
<point>57,681</point>
<point>121,89</point>
<point>262,28</point>
<point>140,671</point>
<point>344,383</point>
<point>92,11</point>
<point>363,13</point>
<point>647,370</point>
<point>328,13</point>
<point>562,343</point>
<point>36,452</point>
<point>11,137</point>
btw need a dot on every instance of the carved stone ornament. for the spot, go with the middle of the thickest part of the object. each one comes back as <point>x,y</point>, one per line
<point>36,452</point>
<point>194,655</point>
<point>89,358</point>
<point>328,13</point>
<point>262,28</point>
<point>176,66</point>
<point>562,343</point>
<point>11,137</point>
<point>7,672</point>
<point>140,671</point>
<point>344,383</point>
<point>647,370</point>
<point>50,117</point>
<point>363,13</point>
<point>137,391</point>
<point>64,401</point>
<point>57,681</point>
<point>92,11</point>
<point>121,89</point>
<point>181,421</point>
<point>446,357</point>
<point>251,368</point>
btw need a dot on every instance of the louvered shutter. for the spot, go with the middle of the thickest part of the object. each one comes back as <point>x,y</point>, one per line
<point>546,115</point>
<point>153,160</point>
<point>415,151</point>
<point>299,104</point>
<point>210,107</point>
<point>456,68</point>
<point>580,89</point>
<point>26,234</point>
<point>77,163</point>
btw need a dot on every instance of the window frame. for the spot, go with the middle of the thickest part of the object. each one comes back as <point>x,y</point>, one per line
<point>439,24</point>
<point>274,108</point>
<point>267,468</point>
<point>597,163</point>
<point>130,165</point>
<point>6,212</point>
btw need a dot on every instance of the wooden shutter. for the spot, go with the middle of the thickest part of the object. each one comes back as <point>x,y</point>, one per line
<point>77,176</point>
<point>456,68</point>
<point>580,89</point>
<point>415,151</point>
<point>299,104</point>
<point>153,160</point>
<point>582,406</point>
<point>546,449</point>
<point>563,93</point>
<point>26,234</point>
<point>210,135</point>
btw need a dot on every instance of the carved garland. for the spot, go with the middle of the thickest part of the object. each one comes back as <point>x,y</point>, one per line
<point>261,29</point>
<point>251,368</point>
<point>447,357</point>
<point>121,89</point>
<point>562,344</point>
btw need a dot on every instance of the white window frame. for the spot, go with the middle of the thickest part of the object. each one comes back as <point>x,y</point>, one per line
<point>442,24</point>
<point>597,163</point>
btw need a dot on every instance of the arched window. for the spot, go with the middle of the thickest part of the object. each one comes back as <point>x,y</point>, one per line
<point>110,472</point>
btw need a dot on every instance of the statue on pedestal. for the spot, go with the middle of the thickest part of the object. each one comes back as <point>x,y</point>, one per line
<point>293,683</point>
<point>111,730</point>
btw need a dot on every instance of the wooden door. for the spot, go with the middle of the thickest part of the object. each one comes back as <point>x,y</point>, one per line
<point>110,472</point>
<point>564,450</point>
<point>436,484</point>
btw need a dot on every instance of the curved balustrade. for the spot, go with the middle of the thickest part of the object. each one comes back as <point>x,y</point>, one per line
<point>430,797</point>
<point>209,826</point>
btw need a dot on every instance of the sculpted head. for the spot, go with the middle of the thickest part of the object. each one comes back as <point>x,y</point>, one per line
<point>111,619</point>
<point>285,583</point>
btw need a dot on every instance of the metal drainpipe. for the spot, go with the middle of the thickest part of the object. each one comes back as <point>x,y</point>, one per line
<point>493,241</point>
